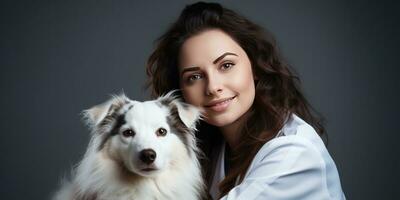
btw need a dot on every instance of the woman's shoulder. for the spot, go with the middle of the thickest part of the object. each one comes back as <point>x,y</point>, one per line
<point>296,133</point>
<point>296,155</point>
<point>288,153</point>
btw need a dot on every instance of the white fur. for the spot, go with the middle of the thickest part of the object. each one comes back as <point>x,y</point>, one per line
<point>178,175</point>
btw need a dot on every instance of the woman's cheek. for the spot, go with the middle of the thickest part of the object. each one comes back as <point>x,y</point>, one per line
<point>243,78</point>
<point>192,95</point>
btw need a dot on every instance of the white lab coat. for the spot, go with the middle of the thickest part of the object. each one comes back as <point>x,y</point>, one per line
<point>295,165</point>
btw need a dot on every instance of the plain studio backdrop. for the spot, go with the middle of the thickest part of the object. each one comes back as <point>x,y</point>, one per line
<point>60,57</point>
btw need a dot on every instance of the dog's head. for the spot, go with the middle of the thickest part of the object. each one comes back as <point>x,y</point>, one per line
<point>143,137</point>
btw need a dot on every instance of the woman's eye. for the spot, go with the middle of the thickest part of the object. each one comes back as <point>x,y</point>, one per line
<point>194,77</point>
<point>128,133</point>
<point>226,66</point>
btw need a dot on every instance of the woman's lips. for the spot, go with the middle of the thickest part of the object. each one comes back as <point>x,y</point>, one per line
<point>220,106</point>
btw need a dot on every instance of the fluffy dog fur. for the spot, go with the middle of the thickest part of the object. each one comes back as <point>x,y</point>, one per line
<point>115,165</point>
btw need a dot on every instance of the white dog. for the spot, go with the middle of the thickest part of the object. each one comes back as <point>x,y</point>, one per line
<point>138,150</point>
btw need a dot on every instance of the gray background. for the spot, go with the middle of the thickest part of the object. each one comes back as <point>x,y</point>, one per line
<point>60,57</point>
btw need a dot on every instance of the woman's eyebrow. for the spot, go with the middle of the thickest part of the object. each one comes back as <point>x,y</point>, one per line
<point>222,56</point>
<point>188,69</point>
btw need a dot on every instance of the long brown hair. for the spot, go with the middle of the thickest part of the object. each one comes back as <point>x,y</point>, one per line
<point>277,94</point>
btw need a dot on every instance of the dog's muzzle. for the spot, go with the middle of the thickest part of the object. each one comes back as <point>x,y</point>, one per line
<point>148,156</point>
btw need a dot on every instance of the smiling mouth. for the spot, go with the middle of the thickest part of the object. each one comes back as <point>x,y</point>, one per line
<point>221,105</point>
<point>215,103</point>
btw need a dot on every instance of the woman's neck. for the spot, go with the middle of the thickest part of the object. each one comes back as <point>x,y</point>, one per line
<point>231,132</point>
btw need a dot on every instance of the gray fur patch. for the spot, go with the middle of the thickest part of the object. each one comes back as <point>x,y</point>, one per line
<point>114,120</point>
<point>179,128</point>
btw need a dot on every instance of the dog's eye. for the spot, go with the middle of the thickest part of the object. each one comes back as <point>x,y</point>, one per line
<point>128,133</point>
<point>161,132</point>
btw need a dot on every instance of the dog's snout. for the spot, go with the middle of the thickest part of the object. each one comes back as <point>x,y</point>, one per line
<point>148,156</point>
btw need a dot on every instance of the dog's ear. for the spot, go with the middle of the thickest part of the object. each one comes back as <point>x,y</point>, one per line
<point>188,114</point>
<point>93,116</point>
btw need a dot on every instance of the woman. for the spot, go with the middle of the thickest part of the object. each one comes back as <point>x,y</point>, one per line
<point>259,137</point>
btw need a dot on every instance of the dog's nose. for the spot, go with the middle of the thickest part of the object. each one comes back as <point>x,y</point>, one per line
<point>148,156</point>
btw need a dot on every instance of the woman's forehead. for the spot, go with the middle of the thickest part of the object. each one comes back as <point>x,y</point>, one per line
<point>206,47</point>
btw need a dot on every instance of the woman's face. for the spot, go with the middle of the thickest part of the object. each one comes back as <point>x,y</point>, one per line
<point>215,74</point>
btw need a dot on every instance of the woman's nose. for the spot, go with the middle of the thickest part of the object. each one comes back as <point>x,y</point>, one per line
<point>214,85</point>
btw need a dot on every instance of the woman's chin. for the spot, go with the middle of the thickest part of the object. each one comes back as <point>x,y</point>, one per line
<point>220,121</point>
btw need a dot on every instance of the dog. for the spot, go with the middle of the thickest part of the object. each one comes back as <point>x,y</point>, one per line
<point>138,150</point>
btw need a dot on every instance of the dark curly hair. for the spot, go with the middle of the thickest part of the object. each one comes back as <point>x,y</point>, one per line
<point>277,94</point>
